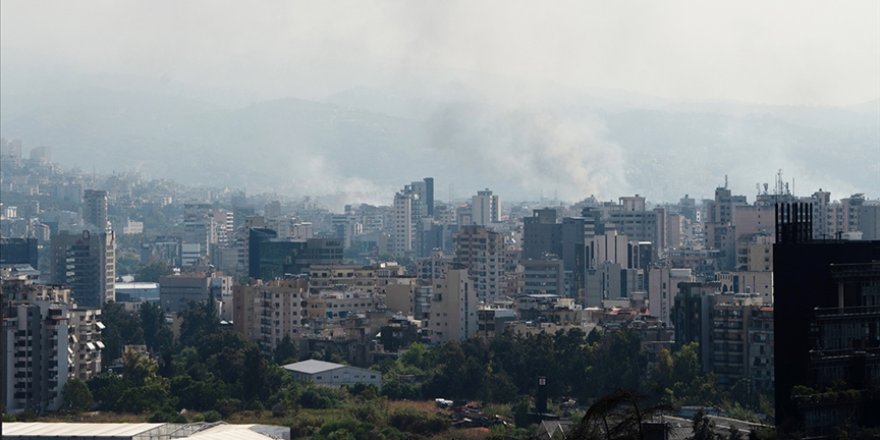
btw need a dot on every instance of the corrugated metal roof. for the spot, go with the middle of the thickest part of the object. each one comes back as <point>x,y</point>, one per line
<point>97,430</point>
<point>228,432</point>
<point>312,366</point>
<point>77,429</point>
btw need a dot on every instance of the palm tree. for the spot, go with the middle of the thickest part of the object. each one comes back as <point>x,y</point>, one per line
<point>617,416</point>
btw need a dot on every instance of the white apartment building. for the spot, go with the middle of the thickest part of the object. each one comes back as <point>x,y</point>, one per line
<point>453,311</point>
<point>485,208</point>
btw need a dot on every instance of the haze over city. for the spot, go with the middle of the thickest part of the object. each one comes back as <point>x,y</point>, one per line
<point>384,220</point>
<point>571,99</point>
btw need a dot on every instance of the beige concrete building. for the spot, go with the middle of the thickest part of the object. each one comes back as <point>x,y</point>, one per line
<point>453,315</point>
<point>754,253</point>
<point>485,208</point>
<point>753,219</point>
<point>370,279</point>
<point>329,308</point>
<point>481,251</point>
<point>46,340</point>
<point>266,312</point>
<point>85,343</point>
<point>662,288</point>
<point>400,297</point>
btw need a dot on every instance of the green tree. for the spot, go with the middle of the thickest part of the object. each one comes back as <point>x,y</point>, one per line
<point>76,396</point>
<point>121,328</point>
<point>418,422</point>
<point>157,332</point>
<point>703,428</point>
<point>521,410</point>
<point>618,415</point>
<point>686,362</point>
<point>107,388</point>
<point>152,272</point>
<point>144,389</point>
<point>285,352</point>
<point>199,320</point>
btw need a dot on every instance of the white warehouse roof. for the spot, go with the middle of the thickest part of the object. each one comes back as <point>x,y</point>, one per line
<point>77,429</point>
<point>312,366</point>
<point>93,431</point>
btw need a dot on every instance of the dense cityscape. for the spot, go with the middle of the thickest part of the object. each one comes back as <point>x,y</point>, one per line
<point>150,301</point>
<point>456,220</point>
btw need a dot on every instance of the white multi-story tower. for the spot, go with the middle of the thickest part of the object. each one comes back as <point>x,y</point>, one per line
<point>485,208</point>
<point>453,315</point>
<point>406,219</point>
<point>402,228</point>
<point>481,250</point>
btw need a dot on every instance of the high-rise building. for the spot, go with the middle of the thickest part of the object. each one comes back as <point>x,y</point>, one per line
<point>46,340</point>
<point>270,257</point>
<point>542,235</point>
<point>199,231</point>
<point>543,277</point>
<point>19,251</point>
<point>95,210</point>
<point>85,343</point>
<point>429,196</point>
<point>453,311</point>
<point>35,347</point>
<point>720,222</point>
<point>869,221</point>
<point>87,263</point>
<point>481,251</point>
<point>761,360</point>
<point>425,190</point>
<point>178,290</point>
<point>663,288</point>
<point>266,312</point>
<point>692,317</point>
<point>631,218</point>
<point>485,208</point>
<point>827,327</point>
<point>406,219</point>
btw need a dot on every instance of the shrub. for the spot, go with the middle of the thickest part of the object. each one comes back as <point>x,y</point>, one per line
<point>211,416</point>
<point>227,407</point>
<point>279,409</point>
<point>319,398</point>
<point>418,422</point>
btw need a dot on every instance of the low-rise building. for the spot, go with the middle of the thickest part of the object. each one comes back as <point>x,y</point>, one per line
<point>329,373</point>
<point>142,431</point>
<point>178,290</point>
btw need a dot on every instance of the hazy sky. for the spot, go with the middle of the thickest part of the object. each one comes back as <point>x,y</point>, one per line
<point>781,52</point>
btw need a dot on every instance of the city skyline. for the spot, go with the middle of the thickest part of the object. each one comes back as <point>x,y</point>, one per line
<point>379,220</point>
<point>615,99</point>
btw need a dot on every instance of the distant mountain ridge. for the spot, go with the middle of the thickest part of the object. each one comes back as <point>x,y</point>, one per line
<point>351,148</point>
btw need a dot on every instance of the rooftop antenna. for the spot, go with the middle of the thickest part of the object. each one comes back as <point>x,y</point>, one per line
<point>725,181</point>
<point>779,182</point>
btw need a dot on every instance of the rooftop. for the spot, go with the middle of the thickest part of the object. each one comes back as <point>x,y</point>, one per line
<point>312,366</point>
<point>92,431</point>
<point>77,429</point>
